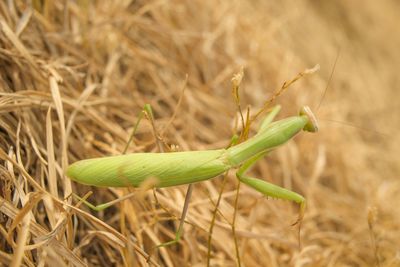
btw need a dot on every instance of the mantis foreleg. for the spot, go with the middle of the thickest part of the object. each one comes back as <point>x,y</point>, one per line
<point>269,189</point>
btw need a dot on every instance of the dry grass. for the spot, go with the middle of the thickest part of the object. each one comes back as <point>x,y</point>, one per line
<point>75,74</point>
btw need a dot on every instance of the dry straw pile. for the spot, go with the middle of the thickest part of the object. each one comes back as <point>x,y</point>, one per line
<point>75,74</point>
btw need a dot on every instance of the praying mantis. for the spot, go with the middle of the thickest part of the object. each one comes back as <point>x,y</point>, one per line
<point>177,168</point>
<point>189,167</point>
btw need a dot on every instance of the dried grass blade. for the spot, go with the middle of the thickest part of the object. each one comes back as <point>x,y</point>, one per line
<point>33,200</point>
<point>37,230</point>
<point>55,92</point>
<point>52,178</point>
<point>17,43</point>
<point>23,22</point>
<point>22,239</point>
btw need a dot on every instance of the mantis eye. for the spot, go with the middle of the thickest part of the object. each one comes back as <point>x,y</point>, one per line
<point>312,124</point>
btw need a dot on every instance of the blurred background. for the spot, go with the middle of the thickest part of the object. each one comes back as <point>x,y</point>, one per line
<point>74,75</point>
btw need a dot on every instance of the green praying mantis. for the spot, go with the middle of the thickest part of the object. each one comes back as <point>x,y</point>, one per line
<point>177,168</point>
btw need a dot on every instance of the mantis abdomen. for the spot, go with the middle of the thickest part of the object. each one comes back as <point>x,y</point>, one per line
<point>169,169</point>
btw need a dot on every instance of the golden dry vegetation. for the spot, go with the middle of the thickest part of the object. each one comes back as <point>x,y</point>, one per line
<point>74,76</point>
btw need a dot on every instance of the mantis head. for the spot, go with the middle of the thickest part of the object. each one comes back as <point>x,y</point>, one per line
<point>312,125</point>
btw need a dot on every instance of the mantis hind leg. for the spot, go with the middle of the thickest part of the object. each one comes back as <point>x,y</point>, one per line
<point>179,232</point>
<point>102,206</point>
